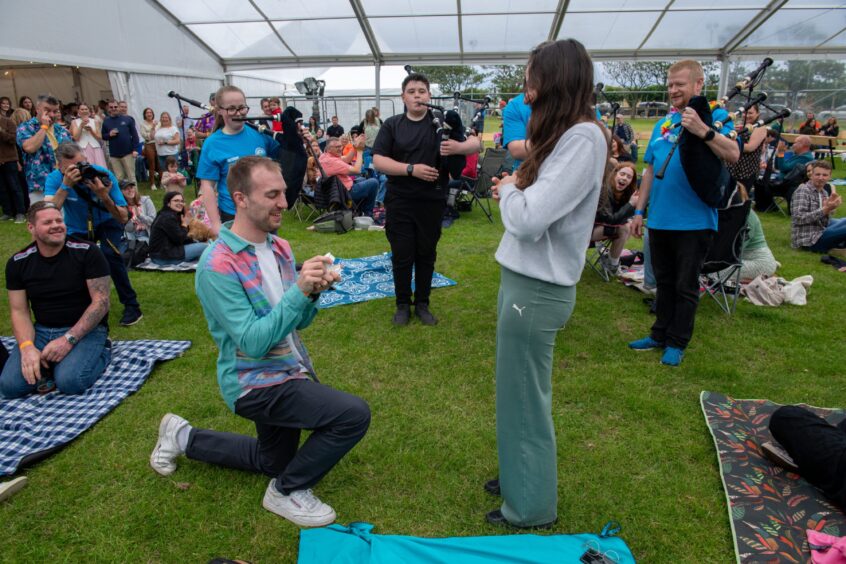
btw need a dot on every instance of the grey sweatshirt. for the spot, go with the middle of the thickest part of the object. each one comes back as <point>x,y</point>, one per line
<point>548,225</point>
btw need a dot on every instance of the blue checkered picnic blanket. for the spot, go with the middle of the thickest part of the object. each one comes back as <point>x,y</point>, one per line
<point>368,278</point>
<point>36,424</point>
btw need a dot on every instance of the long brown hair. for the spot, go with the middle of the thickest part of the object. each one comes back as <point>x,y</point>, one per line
<point>561,74</point>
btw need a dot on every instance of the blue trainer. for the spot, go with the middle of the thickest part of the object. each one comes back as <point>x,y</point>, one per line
<point>672,356</point>
<point>645,344</point>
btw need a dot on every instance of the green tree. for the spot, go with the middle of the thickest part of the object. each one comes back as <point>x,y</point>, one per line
<point>453,78</point>
<point>507,79</point>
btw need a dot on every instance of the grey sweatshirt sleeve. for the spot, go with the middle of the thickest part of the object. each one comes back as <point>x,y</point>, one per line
<point>563,182</point>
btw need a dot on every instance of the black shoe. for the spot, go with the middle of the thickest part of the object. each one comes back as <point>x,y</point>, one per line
<point>402,315</point>
<point>426,317</point>
<point>496,517</point>
<point>778,456</point>
<point>492,487</point>
<point>131,316</point>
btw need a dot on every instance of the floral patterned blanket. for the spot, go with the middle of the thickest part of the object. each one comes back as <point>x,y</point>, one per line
<point>769,508</point>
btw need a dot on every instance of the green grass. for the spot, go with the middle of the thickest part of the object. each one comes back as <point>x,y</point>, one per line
<point>632,442</point>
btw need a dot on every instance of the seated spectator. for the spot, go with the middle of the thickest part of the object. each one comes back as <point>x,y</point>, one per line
<point>334,130</point>
<point>320,137</point>
<point>65,282</point>
<point>816,449</point>
<point>800,153</point>
<point>831,129</point>
<point>757,259</point>
<point>810,126</point>
<point>812,227</point>
<point>616,206</point>
<point>169,241</point>
<point>625,132</point>
<point>791,173</point>
<point>619,151</point>
<point>362,190</point>
<point>173,180</point>
<point>455,184</point>
<point>142,213</point>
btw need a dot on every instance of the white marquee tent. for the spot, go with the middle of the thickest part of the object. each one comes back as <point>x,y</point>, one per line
<point>141,49</point>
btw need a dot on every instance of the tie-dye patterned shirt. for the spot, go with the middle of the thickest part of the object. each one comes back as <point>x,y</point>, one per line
<point>252,336</point>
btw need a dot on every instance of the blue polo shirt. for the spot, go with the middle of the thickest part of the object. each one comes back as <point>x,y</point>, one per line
<point>673,204</point>
<point>220,151</point>
<point>515,121</point>
<point>75,209</point>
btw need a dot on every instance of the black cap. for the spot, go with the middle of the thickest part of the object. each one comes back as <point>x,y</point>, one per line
<point>125,183</point>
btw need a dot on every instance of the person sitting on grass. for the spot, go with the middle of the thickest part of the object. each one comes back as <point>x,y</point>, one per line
<point>255,304</point>
<point>757,259</point>
<point>813,204</point>
<point>616,207</point>
<point>169,240</point>
<point>65,283</point>
<point>619,151</point>
<point>142,213</point>
<point>172,178</point>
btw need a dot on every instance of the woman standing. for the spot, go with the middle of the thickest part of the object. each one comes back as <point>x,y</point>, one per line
<point>167,140</point>
<point>27,104</point>
<point>6,106</point>
<point>747,167</point>
<point>371,126</point>
<point>548,210</point>
<point>85,130</point>
<point>169,241</point>
<point>148,132</point>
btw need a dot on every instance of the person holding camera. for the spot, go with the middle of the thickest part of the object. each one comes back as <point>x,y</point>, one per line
<point>65,282</point>
<point>408,149</point>
<point>94,209</point>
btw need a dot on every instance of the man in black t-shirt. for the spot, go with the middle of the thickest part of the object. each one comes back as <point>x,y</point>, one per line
<point>334,130</point>
<point>65,281</point>
<point>408,150</point>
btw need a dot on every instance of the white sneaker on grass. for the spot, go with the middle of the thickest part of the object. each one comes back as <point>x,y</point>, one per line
<point>163,458</point>
<point>301,507</point>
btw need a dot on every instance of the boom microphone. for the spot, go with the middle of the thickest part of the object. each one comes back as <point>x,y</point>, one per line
<point>761,97</point>
<point>754,75</point>
<point>194,103</point>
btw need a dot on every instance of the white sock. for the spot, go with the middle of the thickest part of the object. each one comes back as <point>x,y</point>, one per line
<point>614,261</point>
<point>182,437</point>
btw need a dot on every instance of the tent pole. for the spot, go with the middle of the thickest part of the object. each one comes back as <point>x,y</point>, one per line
<point>378,83</point>
<point>77,84</point>
<point>725,63</point>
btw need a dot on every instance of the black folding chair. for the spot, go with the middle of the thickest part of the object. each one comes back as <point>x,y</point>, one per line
<point>720,274</point>
<point>478,190</point>
<point>596,253</point>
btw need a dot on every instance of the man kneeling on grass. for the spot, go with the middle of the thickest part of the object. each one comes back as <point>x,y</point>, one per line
<point>66,283</point>
<point>255,303</point>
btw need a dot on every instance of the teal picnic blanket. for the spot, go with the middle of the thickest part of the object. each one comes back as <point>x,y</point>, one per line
<point>337,544</point>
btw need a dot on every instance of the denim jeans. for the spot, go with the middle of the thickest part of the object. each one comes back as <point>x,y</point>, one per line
<point>77,372</point>
<point>192,252</point>
<point>363,193</point>
<point>110,236</point>
<point>833,236</point>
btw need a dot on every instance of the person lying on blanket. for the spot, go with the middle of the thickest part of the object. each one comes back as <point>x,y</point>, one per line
<point>65,281</point>
<point>255,304</point>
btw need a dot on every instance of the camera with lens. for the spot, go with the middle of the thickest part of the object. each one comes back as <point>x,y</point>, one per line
<point>88,172</point>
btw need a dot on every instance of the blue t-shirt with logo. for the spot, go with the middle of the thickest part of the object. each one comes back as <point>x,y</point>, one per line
<point>220,151</point>
<point>673,204</point>
<point>515,121</point>
<point>75,208</point>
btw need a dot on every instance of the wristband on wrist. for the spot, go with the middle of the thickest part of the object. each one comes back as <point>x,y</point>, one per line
<point>25,344</point>
<point>44,127</point>
<point>638,212</point>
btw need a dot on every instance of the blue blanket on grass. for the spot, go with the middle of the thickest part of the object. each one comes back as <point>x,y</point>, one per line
<point>358,544</point>
<point>35,426</point>
<point>368,278</point>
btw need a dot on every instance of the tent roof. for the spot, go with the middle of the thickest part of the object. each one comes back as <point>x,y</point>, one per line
<point>259,34</point>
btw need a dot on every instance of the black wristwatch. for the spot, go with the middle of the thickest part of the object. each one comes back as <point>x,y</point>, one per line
<point>409,170</point>
<point>710,135</point>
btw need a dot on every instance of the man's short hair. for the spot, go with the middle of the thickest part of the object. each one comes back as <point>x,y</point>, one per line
<point>694,67</point>
<point>47,99</point>
<point>37,207</point>
<point>821,164</point>
<point>415,77</point>
<point>240,177</point>
<point>68,150</point>
<point>802,140</point>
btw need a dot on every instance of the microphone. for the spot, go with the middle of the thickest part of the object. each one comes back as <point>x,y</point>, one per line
<point>753,76</point>
<point>487,99</point>
<point>195,103</point>
<point>761,97</point>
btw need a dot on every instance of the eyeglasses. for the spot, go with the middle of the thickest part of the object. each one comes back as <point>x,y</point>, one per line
<point>232,110</point>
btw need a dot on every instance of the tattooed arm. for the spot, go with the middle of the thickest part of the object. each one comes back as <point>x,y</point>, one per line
<point>99,308</point>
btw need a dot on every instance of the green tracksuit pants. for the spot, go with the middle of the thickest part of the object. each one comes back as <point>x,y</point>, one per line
<point>530,313</point>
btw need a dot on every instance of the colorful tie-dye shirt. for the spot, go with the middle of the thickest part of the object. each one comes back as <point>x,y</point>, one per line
<point>252,336</point>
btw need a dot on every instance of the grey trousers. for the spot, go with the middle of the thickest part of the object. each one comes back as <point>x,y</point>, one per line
<point>529,315</point>
<point>337,420</point>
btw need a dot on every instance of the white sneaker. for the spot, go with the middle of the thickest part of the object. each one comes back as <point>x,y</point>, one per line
<point>301,507</point>
<point>163,458</point>
<point>10,488</point>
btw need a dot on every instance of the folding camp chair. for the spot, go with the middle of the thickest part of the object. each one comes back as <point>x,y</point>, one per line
<point>720,274</point>
<point>597,251</point>
<point>468,195</point>
<point>304,208</point>
<point>478,190</point>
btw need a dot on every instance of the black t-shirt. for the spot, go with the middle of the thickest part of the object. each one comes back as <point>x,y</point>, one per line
<point>412,142</point>
<point>334,131</point>
<point>56,286</point>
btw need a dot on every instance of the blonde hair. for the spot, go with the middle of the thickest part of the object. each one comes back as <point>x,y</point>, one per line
<point>21,115</point>
<point>696,72</point>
